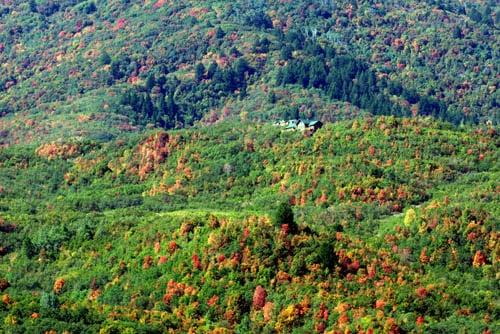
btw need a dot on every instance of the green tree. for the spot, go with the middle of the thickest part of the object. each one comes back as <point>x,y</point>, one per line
<point>286,53</point>
<point>284,215</point>
<point>271,98</point>
<point>104,58</point>
<point>33,6</point>
<point>48,302</point>
<point>219,33</point>
<point>212,69</point>
<point>241,67</point>
<point>150,82</point>
<point>475,15</point>
<point>317,74</point>
<point>199,72</point>
<point>90,8</point>
<point>457,32</point>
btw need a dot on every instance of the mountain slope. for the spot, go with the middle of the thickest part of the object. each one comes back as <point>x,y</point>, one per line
<point>54,53</point>
<point>177,230</point>
<point>145,187</point>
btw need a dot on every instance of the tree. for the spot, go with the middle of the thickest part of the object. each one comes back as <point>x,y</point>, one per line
<point>33,6</point>
<point>410,217</point>
<point>457,32</point>
<point>150,82</point>
<point>90,8</point>
<point>259,19</point>
<point>28,249</point>
<point>116,71</point>
<point>243,92</point>
<point>284,216</point>
<point>4,284</point>
<point>318,73</point>
<point>325,255</point>
<point>429,106</point>
<point>199,72</point>
<point>271,98</point>
<point>160,109</point>
<point>219,33</point>
<point>475,15</point>
<point>259,297</point>
<point>286,53</point>
<point>295,38</point>
<point>486,17</point>
<point>261,45</point>
<point>314,49</point>
<point>288,75</point>
<point>235,52</point>
<point>48,302</point>
<point>411,95</point>
<point>147,106</point>
<point>170,111</point>
<point>104,58</point>
<point>241,67</point>
<point>212,69</point>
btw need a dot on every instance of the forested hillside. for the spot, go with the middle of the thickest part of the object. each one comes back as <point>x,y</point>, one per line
<point>145,187</point>
<point>172,62</point>
<point>394,228</point>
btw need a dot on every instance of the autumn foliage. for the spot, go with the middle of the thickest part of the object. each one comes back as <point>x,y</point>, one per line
<point>56,150</point>
<point>259,297</point>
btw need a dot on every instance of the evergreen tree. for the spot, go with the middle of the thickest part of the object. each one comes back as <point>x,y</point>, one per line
<point>243,92</point>
<point>457,32</point>
<point>160,109</point>
<point>147,106</point>
<point>475,15</point>
<point>161,81</point>
<point>212,69</point>
<point>271,98</point>
<point>284,216</point>
<point>241,67</point>
<point>486,16</point>
<point>48,303</point>
<point>90,8</point>
<point>235,52</point>
<point>318,73</point>
<point>170,111</point>
<point>229,80</point>
<point>115,70</point>
<point>259,19</point>
<point>199,72</point>
<point>33,6</point>
<point>104,58</point>
<point>219,33</point>
<point>150,82</point>
<point>280,78</point>
<point>286,53</point>
<point>288,74</point>
<point>295,39</point>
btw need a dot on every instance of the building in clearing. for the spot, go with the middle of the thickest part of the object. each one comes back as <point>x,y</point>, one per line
<point>300,124</point>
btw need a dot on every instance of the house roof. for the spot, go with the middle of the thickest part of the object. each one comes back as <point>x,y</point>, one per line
<point>295,123</point>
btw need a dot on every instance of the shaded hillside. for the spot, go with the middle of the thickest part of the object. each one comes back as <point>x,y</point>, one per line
<point>172,62</point>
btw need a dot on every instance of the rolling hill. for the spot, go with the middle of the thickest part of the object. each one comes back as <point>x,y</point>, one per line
<point>145,188</point>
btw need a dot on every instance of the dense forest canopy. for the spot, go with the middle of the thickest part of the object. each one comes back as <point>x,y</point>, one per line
<point>147,187</point>
<point>55,52</point>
